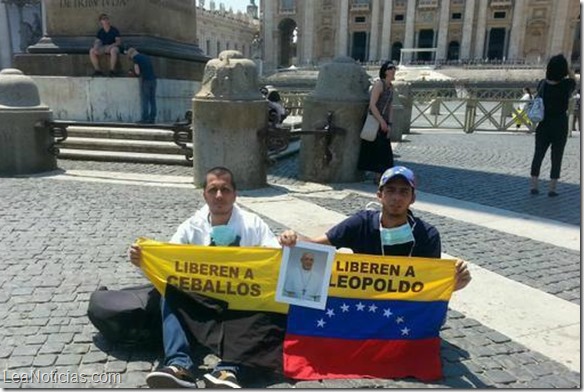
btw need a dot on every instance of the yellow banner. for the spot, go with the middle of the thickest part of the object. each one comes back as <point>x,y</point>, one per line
<point>391,277</point>
<point>244,277</point>
<point>247,277</point>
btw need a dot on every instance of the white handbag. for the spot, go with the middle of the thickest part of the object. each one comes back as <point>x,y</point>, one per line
<point>371,126</point>
<point>369,131</point>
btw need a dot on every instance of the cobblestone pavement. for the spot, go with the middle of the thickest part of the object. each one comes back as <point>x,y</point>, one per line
<point>60,240</point>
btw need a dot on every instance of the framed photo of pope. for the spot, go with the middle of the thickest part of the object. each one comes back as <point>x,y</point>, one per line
<point>305,273</point>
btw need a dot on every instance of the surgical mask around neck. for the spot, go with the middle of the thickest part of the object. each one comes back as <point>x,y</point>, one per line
<point>223,235</point>
<point>397,235</point>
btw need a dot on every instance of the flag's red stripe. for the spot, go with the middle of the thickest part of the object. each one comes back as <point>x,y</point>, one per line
<point>310,358</point>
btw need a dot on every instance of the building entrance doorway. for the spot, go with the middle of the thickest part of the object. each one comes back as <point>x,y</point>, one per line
<point>359,46</point>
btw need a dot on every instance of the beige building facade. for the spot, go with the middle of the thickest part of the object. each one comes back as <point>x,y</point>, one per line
<point>308,32</point>
<point>219,29</point>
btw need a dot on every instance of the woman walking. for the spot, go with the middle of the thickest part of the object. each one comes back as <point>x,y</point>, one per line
<point>556,91</point>
<point>376,156</point>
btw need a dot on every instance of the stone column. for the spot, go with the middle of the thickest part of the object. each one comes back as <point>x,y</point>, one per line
<point>6,43</point>
<point>308,32</point>
<point>480,36</point>
<point>443,30</point>
<point>517,30</point>
<point>467,29</point>
<point>386,30</point>
<point>270,50</point>
<point>24,148</point>
<point>410,20</point>
<point>228,114</point>
<point>559,27</point>
<point>343,35</point>
<point>341,88</point>
<point>374,33</point>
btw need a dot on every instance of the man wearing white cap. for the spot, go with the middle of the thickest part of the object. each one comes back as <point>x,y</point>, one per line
<point>392,231</point>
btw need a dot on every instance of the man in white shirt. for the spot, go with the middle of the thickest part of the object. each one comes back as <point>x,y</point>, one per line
<point>219,223</point>
<point>302,281</point>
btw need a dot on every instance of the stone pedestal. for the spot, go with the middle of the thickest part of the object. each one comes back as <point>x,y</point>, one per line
<point>165,30</point>
<point>341,88</point>
<point>228,114</point>
<point>403,101</point>
<point>24,149</point>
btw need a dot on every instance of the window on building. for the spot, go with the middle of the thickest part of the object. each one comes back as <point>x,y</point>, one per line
<point>398,17</point>
<point>427,3</point>
<point>499,15</point>
<point>400,3</point>
<point>227,46</point>
<point>456,15</point>
<point>360,5</point>
<point>208,47</point>
<point>218,48</point>
<point>287,6</point>
<point>236,47</point>
<point>360,19</point>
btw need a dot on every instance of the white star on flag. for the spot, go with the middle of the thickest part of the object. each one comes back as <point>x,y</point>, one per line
<point>372,308</point>
<point>330,312</point>
<point>360,306</point>
<point>399,320</point>
<point>387,313</point>
<point>405,331</point>
<point>345,307</point>
<point>321,323</point>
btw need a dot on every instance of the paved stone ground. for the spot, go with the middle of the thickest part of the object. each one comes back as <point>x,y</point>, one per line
<point>60,240</point>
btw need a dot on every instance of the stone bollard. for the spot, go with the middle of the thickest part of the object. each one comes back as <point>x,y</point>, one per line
<point>435,107</point>
<point>24,149</point>
<point>507,109</point>
<point>341,88</point>
<point>402,110</point>
<point>228,113</point>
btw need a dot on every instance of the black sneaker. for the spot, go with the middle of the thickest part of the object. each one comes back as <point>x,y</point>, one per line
<point>112,74</point>
<point>97,73</point>
<point>171,377</point>
<point>221,379</point>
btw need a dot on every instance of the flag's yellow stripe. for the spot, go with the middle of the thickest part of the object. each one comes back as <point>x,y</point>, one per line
<point>247,277</point>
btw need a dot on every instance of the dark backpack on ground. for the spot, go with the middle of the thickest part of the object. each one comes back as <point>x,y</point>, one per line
<point>129,316</point>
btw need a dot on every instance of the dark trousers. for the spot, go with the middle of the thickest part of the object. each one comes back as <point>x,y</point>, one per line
<point>554,132</point>
<point>148,100</point>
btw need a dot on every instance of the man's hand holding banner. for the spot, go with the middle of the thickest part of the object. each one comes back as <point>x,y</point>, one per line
<point>382,318</point>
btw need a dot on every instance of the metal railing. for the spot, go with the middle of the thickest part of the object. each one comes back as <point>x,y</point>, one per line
<point>469,109</point>
<point>182,132</point>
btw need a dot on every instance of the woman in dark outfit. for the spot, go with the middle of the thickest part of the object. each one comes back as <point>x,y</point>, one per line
<point>376,156</point>
<point>557,88</point>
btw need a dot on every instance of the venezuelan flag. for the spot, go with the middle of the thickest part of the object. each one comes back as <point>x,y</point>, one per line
<point>382,320</point>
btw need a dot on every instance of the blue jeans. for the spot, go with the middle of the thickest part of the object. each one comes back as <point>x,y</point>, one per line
<point>148,100</point>
<point>176,345</point>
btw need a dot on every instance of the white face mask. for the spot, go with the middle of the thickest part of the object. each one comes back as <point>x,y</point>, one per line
<point>223,235</point>
<point>397,235</point>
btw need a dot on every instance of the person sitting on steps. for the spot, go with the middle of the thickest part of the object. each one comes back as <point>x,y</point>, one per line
<point>107,42</point>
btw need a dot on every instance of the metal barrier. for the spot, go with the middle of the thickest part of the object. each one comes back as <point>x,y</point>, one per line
<point>470,108</point>
<point>277,138</point>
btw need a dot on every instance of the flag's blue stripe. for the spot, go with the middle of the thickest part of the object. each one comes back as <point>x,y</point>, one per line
<point>377,319</point>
